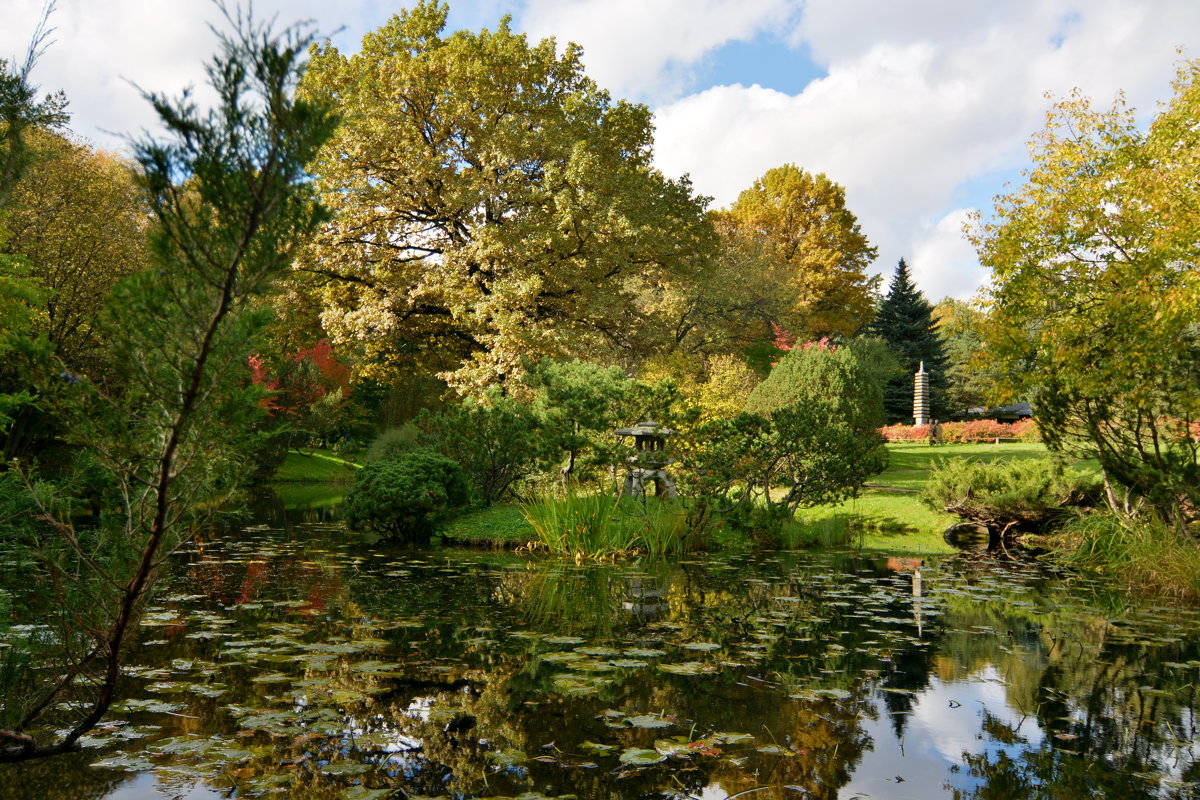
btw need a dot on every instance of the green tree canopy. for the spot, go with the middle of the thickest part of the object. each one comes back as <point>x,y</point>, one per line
<point>79,218</point>
<point>1095,291</point>
<point>904,320</point>
<point>492,203</point>
<point>846,379</point>
<point>970,383</point>
<point>796,256</point>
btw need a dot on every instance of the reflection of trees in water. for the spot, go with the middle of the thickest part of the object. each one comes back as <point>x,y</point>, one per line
<point>1107,707</point>
<point>64,777</point>
<point>463,690</point>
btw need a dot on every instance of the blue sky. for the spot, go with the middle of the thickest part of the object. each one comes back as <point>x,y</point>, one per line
<point>921,108</point>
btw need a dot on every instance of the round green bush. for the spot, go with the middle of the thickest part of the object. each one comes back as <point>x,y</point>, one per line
<point>406,497</point>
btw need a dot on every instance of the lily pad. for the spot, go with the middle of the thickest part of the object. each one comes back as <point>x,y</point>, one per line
<point>638,757</point>
<point>688,668</point>
<point>648,721</point>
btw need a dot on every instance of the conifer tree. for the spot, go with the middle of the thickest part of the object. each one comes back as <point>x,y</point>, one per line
<point>905,321</point>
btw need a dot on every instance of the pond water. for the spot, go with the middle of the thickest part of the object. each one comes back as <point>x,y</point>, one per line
<point>298,661</point>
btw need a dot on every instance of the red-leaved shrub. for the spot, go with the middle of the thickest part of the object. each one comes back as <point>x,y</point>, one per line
<point>976,430</point>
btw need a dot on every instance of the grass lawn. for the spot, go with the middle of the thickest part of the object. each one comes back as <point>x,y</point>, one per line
<point>501,525</point>
<point>890,515</point>
<point>320,466</point>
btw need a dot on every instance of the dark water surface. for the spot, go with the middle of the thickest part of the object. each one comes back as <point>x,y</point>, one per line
<point>301,662</point>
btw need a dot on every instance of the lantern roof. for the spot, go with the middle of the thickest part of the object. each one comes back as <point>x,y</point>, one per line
<point>647,428</point>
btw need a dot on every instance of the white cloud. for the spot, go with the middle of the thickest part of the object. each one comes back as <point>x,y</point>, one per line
<point>943,262</point>
<point>646,48</point>
<point>919,100</point>
<point>100,49</point>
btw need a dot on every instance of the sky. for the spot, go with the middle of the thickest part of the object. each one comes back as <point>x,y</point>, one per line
<point>921,109</point>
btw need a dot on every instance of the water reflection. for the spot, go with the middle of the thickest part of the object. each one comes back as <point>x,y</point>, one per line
<point>301,662</point>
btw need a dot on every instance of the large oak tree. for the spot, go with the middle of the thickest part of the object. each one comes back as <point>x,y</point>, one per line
<point>491,203</point>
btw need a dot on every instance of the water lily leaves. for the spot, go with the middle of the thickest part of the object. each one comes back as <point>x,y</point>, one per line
<point>379,668</point>
<point>559,656</point>
<point>342,648</point>
<point>629,663</point>
<point>345,768</point>
<point>508,758</point>
<point>704,647</point>
<point>590,666</point>
<point>560,640</point>
<point>578,685</point>
<point>648,721</point>
<point>683,747</point>
<point>775,750</point>
<point>363,793</point>
<point>644,652</point>
<point>125,763</point>
<point>638,757</point>
<point>597,651</point>
<point>688,668</point>
<point>151,706</point>
<point>272,677</point>
<point>596,747</point>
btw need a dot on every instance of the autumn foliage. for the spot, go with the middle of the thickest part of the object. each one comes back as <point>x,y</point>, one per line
<point>977,430</point>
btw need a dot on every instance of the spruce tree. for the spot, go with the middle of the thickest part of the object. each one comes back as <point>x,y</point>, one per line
<point>905,321</point>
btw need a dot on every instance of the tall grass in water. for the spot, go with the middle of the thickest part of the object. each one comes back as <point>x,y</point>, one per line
<point>599,527</point>
<point>1150,557</point>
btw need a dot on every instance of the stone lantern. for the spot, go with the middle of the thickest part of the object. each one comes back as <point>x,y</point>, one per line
<point>648,464</point>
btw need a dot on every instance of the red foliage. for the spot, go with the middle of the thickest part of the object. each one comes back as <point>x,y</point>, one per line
<point>304,378</point>
<point>978,430</point>
<point>784,339</point>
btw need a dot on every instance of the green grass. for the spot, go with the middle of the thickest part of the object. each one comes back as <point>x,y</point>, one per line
<point>500,525</point>
<point>309,495</point>
<point>892,514</point>
<point>910,464</point>
<point>321,466</point>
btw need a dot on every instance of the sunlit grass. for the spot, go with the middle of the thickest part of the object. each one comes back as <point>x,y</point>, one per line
<point>502,524</point>
<point>320,466</point>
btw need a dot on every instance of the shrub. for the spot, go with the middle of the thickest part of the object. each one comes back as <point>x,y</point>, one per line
<point>1025,430</point>
<point>497,440</point>
<point>848,379</point>
<point>1007,495</point>
<point>394,443</point>
<point>907,433</point>
<point>975,430</point>
<point>406,497</point>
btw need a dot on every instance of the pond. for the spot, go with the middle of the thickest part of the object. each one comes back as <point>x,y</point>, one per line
<point>298,661</point>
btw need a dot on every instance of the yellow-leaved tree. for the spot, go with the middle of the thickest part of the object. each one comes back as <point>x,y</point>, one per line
<point>1095,294</point>
<point>797,257</point>
<point>491,203</point>
<point>79,217</point>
